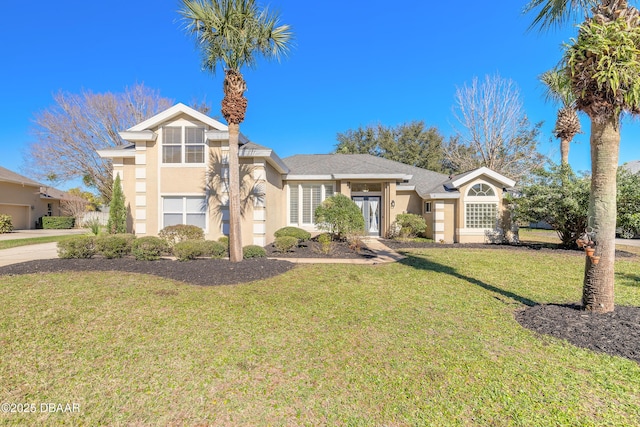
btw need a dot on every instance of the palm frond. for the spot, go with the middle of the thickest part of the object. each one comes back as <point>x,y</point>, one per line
<point>235,33</point>
<point>555,13</point>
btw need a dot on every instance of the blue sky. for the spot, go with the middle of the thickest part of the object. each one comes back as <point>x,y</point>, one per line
<point>355,63</point>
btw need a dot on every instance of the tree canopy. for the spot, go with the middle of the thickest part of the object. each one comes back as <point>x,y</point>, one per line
<point>410,143</point>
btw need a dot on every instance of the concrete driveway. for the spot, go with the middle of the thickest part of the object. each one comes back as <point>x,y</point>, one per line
<point>32,252</point>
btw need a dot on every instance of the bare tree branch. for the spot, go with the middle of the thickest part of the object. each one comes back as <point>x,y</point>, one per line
<point>68,133</point>
<point>494,130</point>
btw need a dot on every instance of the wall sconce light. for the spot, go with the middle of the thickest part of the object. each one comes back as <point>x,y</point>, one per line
<point>393,204</point>
<point>33,208</point>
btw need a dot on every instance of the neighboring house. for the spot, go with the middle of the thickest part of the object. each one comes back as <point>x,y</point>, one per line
<point>174,168</point>
<point>633,166</point>
<point>26,200</point>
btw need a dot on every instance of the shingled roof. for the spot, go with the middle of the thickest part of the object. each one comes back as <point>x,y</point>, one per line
<point>9,176</point>
<point>366,166</point>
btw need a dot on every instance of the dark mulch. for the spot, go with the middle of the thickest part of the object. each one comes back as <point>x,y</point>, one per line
<point>200,272</point>
<point>616,333</point>
<point>312,249</point>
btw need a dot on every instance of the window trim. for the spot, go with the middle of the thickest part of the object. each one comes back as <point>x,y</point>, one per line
<point>183,147</point>
<point>323,196</point>
<point>184,208</point>
<point>479,200</point>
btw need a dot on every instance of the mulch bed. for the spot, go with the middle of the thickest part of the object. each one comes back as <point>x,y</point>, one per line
<point>312,249</point>
<point>205,272</point>
<point>616,333</point>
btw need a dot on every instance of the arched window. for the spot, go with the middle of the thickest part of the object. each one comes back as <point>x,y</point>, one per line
<point>481,190</point>
<point>481,207</point>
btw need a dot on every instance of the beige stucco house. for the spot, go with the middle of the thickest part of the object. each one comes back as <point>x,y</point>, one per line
<point>174,167</point>
<point>26,200</point>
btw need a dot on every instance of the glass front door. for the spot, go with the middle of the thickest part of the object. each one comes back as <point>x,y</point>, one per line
<point>370,208</point>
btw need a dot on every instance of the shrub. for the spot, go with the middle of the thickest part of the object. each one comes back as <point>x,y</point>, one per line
<point>215,249</point>
<point>296,232</point>
<point>148,248</point>
<point>224,240</point>
<point>117,211</point>
<point>178,233</point>
<point>77,247</point>
<point>285,243</point>
<point>410,225</point>
<point>94,226</point>
<point>58,222</point>
<point>253,251</point>
<point>188,249</point>
<point>5,223</point>
<point>355,241</point>
<point>340,216</point>
<point>114,245</point>
<point>326,244</point>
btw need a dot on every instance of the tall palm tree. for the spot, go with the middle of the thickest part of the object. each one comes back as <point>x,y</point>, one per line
<point>603,64</point>
<point>558,89</point>
<point>234,34</point>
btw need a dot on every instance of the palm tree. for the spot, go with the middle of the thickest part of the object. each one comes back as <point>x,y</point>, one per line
<point>567,127</point>
<point>603,65</point>
<point>234,34</point>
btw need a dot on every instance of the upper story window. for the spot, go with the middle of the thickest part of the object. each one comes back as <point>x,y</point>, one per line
<point>481,190</point>
<point>183,144</point>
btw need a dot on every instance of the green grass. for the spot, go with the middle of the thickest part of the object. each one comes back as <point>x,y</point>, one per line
<point>429,341</point>
<point>6,244</point>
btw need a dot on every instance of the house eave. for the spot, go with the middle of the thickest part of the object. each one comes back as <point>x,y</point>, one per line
<point>308,177</point>
<point>370,176</point>
<point>267,154</point>
<point>112,153</point>
<point>442,196</point>
<point>138,136</point>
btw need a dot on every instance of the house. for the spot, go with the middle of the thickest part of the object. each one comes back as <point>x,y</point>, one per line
<point>26,200</point>
<point>632,166</point>
<point>174,167</point>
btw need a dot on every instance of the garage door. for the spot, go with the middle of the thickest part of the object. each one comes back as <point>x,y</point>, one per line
<point>19,215</point>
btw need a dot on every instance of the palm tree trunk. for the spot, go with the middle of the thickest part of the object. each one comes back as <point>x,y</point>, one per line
<point>598,288</point>
<point>235,233</point>
<point>564,150</point>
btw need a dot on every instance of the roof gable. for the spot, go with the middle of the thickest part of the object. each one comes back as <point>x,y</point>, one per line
<point>175,111</point>
<point>459,180</point>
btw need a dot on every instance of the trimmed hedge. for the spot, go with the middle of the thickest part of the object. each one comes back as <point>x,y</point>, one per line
<point>340,216</point>
<point>114,245</point>
<point>58,222</point>
<point>77,247</point>
<point>296,232</point>
<point>179,233</point>
<point>188,250</point>
<point>285,243</point>
<point>253,251</point>
<point>5,223</point>
<point>148,248</point>
<point>216,249</point>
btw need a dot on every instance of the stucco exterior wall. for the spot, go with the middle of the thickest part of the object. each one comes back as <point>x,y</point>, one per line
<point>467,235</point>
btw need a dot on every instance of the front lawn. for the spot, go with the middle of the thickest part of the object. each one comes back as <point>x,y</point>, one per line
<point>429,341</point>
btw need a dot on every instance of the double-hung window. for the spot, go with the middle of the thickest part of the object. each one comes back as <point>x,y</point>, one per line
<point>190,210</point>
<point>183,145</point>
<point>304,199</point>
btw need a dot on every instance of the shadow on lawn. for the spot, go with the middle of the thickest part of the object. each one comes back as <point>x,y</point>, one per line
<point>628,279</point>
<point>424,264</point>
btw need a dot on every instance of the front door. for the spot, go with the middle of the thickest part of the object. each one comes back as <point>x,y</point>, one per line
<point>370,208</point>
